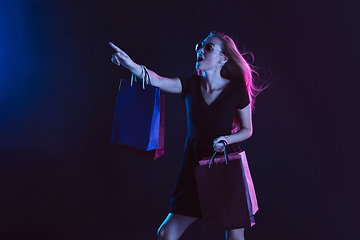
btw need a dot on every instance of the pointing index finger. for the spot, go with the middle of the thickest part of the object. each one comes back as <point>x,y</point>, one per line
<point>115,47</point>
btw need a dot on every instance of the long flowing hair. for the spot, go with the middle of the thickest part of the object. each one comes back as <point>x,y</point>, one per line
<point>237,68</point>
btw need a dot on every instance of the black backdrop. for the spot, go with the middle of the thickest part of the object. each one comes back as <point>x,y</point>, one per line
<point>61,177</point>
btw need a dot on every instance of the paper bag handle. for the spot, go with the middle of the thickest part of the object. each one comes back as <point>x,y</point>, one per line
<point>145,77</point>
<point>225,153</point>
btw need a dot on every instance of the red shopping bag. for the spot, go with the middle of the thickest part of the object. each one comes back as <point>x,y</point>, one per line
<point>226,192</point>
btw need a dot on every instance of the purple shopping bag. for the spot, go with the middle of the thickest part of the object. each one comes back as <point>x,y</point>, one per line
<point>138,123</point>
<point>226,192</point>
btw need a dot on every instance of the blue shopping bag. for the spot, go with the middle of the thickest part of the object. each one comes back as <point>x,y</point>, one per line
<point>136,121</point>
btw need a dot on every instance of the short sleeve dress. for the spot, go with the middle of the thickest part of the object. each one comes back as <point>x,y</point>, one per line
<point>205,123</point>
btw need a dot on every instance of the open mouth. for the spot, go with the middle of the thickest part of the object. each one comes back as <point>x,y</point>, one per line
<point>200,59</point>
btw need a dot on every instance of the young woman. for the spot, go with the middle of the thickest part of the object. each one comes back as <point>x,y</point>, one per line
<point>223,90</point>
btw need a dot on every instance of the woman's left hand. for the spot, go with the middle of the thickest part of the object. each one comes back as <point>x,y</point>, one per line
<point>219,147</point>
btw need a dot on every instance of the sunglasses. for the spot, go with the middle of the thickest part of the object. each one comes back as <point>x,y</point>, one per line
<point>209,47</point>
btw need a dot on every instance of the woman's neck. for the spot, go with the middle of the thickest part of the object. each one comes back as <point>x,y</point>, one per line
<point>212,81</point>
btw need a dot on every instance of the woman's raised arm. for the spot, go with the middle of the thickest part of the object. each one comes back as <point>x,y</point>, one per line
<point>172,85</point>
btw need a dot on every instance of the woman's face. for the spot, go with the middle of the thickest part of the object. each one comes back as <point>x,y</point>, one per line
<point>209,54</point>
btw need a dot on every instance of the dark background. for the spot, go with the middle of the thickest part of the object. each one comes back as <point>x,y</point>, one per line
<point>62,178</point>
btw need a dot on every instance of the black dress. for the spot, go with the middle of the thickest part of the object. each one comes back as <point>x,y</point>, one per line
<point>205,123</point>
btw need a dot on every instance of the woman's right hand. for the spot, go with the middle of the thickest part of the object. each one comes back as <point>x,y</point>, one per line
<point>120,57</point>
<point>172,85</point>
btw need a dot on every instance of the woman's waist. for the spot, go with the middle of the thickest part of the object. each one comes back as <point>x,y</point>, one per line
<point>207,133</point>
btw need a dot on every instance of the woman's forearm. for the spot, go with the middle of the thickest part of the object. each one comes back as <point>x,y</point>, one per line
<point>240,136</point>
<point>171,85</point>
<point>244,133</point>
<point>135,69</point>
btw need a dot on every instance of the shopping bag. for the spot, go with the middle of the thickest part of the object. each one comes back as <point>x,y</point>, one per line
<point>157,152</point>
<point>226,192</point>
<point>138,123</point>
